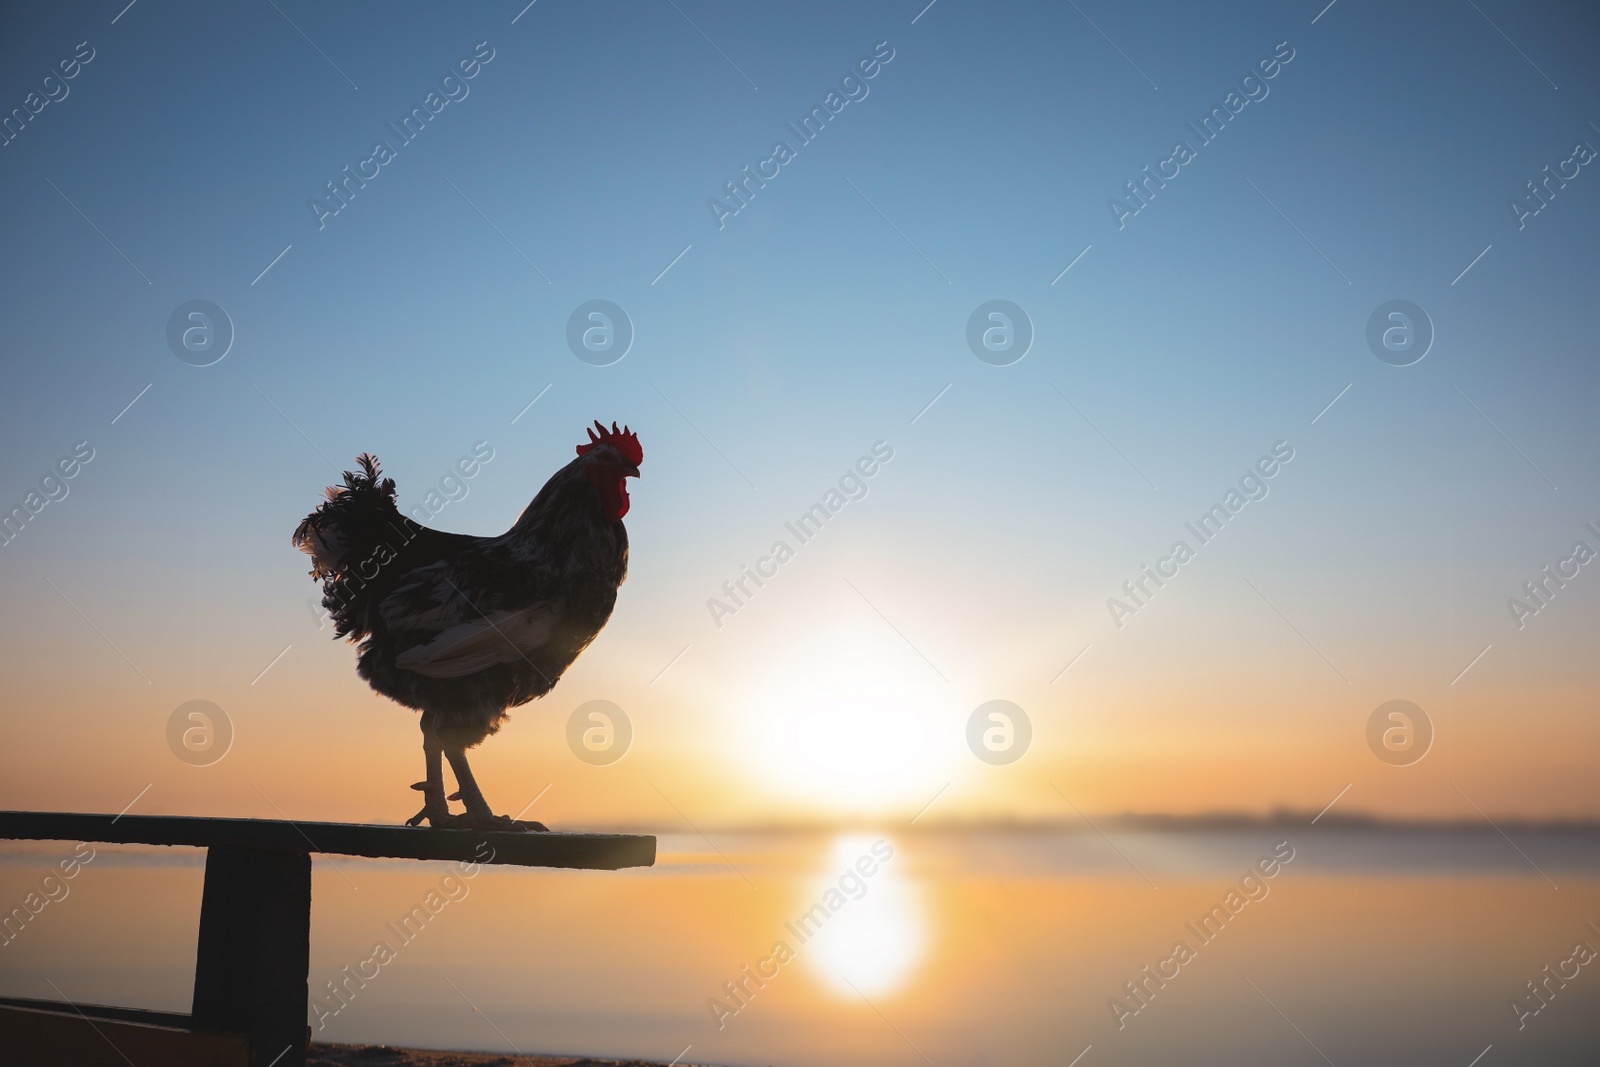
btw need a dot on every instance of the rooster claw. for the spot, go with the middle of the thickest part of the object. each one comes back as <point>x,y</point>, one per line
<point>501,823</point>
<point>445,819</point>
<point>467,821</point>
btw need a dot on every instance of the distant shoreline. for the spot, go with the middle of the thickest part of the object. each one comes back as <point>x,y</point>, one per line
<point>334,1055</point>
<point>1123,822</point>
<point>1143,821</point>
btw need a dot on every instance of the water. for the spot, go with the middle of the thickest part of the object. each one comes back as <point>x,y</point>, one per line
<point>993,948</point>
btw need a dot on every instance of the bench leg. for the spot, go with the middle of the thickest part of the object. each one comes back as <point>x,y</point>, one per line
<point>254,952</point>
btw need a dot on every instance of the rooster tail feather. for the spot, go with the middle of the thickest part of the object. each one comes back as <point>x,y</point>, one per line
<point>323,534</point>
<point>345,530</point>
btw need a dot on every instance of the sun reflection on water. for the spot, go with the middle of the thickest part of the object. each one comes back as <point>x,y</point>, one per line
<point>874,935</point>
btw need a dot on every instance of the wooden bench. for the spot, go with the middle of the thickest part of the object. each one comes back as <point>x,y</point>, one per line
<point>251,968</point>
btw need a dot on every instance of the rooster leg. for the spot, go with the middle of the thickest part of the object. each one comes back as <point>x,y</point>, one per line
<point>479,815</point>
<point>434,807</point>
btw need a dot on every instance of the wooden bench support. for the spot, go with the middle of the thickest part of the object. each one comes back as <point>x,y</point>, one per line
<point>255,950</point>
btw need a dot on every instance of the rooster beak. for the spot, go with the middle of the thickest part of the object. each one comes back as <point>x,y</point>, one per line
<point>630,471</point>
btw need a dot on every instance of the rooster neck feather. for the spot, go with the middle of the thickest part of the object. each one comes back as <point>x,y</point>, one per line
<point>566,519</point>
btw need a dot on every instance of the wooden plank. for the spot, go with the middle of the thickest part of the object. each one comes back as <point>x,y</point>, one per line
<point>172,1020</point>
<point>608,852</point>
<point>41,1034</point>
<point>254,951</point>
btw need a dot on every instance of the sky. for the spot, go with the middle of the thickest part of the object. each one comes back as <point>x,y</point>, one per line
<point>1222,324</point>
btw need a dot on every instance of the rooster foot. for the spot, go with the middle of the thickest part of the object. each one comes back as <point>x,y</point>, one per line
<point>502,823</point>
<point>474,820</point>
<point>469,821</point>
<point>434,809</point>
<point>442,818</point>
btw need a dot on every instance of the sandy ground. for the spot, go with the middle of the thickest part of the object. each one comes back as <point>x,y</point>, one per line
<point>385,1056</point>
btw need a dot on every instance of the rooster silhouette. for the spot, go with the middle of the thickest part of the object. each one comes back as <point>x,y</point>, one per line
<point>463,628</point>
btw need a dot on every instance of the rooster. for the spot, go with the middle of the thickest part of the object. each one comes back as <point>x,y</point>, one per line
<point>463,628</point>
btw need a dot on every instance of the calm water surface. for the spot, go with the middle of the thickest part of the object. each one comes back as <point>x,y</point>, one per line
<point>1363,947</point>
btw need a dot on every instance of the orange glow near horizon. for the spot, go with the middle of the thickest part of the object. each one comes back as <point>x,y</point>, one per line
<point>819,736</point>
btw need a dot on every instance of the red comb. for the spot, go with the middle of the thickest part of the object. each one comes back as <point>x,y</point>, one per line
<point>623,440</point>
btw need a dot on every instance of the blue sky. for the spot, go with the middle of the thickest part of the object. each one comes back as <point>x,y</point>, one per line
<point>822,318</point>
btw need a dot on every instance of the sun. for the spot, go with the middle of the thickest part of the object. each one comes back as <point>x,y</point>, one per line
<point>844,724</point>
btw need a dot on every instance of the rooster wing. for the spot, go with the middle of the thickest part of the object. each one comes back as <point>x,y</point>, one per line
<point>461,633</point>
